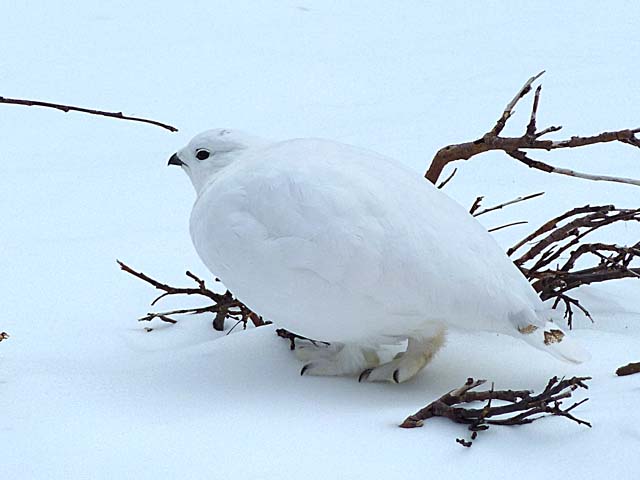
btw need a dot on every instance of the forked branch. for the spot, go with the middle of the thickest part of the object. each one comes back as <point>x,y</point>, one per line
<point>530,140</point>
<point>223,306</point>
<point>517,407</point>
<point>556,248</point>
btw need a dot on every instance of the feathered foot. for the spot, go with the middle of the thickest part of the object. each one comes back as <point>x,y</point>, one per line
<point>406,365</point>
<point>336,359</point>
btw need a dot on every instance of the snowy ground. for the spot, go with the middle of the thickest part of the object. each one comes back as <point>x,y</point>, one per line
<point>86,393</point>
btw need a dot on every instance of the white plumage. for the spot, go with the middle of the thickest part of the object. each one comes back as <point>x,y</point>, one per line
<point>342,244</point>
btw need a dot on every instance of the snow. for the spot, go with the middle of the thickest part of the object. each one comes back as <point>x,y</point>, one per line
<point>85,392</point>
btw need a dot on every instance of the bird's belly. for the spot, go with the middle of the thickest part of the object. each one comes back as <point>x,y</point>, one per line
<point>296,298</point>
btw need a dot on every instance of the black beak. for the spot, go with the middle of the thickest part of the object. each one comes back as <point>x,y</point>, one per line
<point>175,160</point>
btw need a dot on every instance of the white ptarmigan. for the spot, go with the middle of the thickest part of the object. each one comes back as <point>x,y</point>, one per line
<point>342,244</point>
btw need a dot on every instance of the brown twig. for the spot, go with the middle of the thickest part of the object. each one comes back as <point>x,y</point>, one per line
<point>530,140</point>
<point>495,229</point>
<point>531,127</point>
<point>522,406</point>
<point>69,108</point>
<point>628,369</point>
<point>568,309</point>
<point>508,111</point>
<point>292,337</point>
<point>224,306</point>
<point>448,179</point>
<point>563,236</point>
<point>510,202</point>
<point>545,167</point>
<point>476,204</point>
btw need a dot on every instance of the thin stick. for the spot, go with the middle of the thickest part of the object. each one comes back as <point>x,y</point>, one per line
<point>508,110</point>
<point>510,202</point>
<point>531,128</point>
<point>495,229</point>
<point>531,139</point>
<point>448,179</point>
<point>69,108</point>
<point>552,224</point>
<point>545,167</point>
<point>476,204</point>
<point>223,305</point>
<point>292,337</point>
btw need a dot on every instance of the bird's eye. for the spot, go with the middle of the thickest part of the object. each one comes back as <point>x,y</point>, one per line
<point>202,154</point>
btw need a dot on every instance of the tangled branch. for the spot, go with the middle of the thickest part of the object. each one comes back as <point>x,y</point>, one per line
<point>530,140</point>
<point>562,238</point>
<point>518,407</point>
<point>224,306</point>
<point>70,108</point>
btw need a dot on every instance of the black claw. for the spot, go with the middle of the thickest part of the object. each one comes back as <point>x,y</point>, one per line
<point>396,375</point>
<point>304,369</point>
<point>365,374</point>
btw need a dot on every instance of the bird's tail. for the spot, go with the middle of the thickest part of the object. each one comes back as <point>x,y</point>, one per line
<point>552,339</point>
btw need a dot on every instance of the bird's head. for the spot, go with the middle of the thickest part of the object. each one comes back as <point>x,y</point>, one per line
<point>209,152</point>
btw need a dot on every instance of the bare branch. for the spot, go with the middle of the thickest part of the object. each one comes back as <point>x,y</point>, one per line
<point>448,179</point>
<point>526,406</point>
<point>169,290</point>
<point>545,167</point>
<point>69,108</point>
<point>292,337</point>
<point>592,218</point>
<point>551,224</point>
<point>563,236</point>
<point>476,204</point>
<point>531,139</point>
<point>495,229</point>
<point>547,130</point>
<point>192,311</point>
<point>508,111</point>
<point>531,127</point>
<point>510,202</point>
<point>628,369</point>
<point>568,310</point>
<point>224,306</point>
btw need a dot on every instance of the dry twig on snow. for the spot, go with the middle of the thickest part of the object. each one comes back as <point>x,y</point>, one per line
<point>518,407</point>
<point>292,337</point>
<point>70,108</point>
<point>628,369</point>
<point>530,140</point>
<point>224,306</point>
